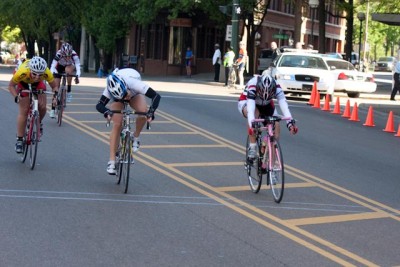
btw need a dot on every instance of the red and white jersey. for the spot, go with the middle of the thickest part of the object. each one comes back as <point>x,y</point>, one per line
<point>62,60</point>
<point>255,96</point>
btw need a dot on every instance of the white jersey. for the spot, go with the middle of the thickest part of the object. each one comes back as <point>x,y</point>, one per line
<point>132,80</point>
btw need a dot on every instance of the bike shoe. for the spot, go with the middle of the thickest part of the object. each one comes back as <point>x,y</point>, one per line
<point>111,168</point>
<point>52,114</point>
<point>136,145</point>
<point>18,147</point>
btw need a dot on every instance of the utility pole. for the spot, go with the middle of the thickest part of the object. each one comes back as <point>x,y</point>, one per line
<point>235,25</point>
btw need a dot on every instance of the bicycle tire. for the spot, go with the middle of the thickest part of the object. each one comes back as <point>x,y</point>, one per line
<point>253,169</point>
<point>35,137</point>
<point>60,106</point>
<point>125,162</point>
<point>120,159</point>
<point>276,176</point>
<point>26,142</point>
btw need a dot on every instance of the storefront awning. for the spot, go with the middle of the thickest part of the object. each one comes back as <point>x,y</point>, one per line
<point>387,18</point>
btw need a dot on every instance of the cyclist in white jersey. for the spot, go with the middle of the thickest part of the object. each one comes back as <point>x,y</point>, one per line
<point>126,84</point>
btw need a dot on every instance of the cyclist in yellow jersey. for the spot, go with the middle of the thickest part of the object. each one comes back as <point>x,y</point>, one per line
<point>34,72</point>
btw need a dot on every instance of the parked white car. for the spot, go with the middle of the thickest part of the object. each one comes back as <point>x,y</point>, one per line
<point>350,80</point>
<point>296,72</point>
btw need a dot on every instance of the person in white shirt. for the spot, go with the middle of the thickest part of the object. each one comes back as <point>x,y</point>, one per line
<point>216,62</point>
<point>396,81</point>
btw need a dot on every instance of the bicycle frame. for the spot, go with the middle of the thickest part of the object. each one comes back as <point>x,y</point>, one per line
<point>32,133</point>
<point>269,161</point>
<point>124,157</point>
<point>61,102</point>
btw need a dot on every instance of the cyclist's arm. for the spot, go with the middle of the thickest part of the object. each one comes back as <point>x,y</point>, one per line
<point>77,64</point>
<point>11,88</point>
<point>101,106</point>
<point>155,99</point>
<point>280,96</point>
<point>53,68</point>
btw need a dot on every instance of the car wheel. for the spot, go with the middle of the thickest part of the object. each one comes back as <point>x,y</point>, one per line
<point>353,94</point>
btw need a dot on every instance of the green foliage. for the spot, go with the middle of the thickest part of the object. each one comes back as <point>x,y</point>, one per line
<point>11,35</point>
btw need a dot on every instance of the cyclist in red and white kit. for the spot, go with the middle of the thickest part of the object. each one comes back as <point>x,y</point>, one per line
<point>65,61</point>
<point>257,100</point>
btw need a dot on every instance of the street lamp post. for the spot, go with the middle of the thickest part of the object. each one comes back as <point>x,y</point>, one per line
<point>313,5</point>
<point>361,18</point>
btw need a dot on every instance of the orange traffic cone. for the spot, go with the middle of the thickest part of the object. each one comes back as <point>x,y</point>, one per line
<point>313,93</point>
<point>398,132</point>
<point>327,106</point>
<point>354,113</point>
<point>370,118</point>
<point>346,112</point>
<point>390,123</point>
<point>317,103</point>
<point>336,110</point>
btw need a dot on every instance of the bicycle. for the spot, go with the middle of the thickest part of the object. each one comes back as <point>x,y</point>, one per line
<point>124,155</point>
<point>61,102</point>
<point>269,161</point>
<point>232,76</point>
<point>32,133</point>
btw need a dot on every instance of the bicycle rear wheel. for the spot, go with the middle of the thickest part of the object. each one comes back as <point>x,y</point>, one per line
<point>60,106</point>
<point>276,175</point>
<point>34,137</point>
<point>253,169</point>
<point>125,162</point>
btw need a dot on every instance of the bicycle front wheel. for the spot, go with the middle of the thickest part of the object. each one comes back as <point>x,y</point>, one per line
<point>26,139</point>
<point>60,106</point>
<point>125,162</point>
<point>253,169</point>
<point>34,137</point>
<point>276,175</point>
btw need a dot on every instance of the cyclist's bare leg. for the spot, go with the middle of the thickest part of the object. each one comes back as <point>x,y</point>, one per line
<point>57,81</point>
<point>138,103</point>
<point>22,115</point>
<point>42,106</point>
<point>116,129</point>
<point>69,70</point>
<point>277,130</point>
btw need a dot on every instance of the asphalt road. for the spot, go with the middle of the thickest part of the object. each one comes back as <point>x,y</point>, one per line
<point>189,203</point>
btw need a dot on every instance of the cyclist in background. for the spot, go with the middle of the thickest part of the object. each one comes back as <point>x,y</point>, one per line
<point>65,61</point>
<point>257,99</point>
<point>126,84</point>
<point>34,72</point>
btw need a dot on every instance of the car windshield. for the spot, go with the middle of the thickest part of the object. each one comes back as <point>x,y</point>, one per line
<point>302,61</point>
<point>386,59</point>
<point>340,65</point>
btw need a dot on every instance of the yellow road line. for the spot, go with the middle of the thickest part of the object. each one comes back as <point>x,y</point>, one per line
<point>263,187</point>
<point>338,218</point>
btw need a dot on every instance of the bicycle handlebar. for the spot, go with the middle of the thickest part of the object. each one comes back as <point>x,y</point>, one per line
<point>257,123</point>
<point>40,91</point>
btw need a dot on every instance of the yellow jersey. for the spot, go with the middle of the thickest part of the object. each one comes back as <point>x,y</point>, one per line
<point>23,74</point>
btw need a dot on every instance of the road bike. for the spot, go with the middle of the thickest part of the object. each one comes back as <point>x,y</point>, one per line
<point>124,155</point>
<point>61,99</point>
<point>269,159</point>
<point>232,76</point>
<point>33,130</point>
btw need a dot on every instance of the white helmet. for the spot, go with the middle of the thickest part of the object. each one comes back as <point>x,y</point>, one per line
<point>37,65</point>
<point>116,86</point>
<point>66,49</point>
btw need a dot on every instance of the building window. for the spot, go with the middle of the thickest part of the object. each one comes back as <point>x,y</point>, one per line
<point>155,34</point>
